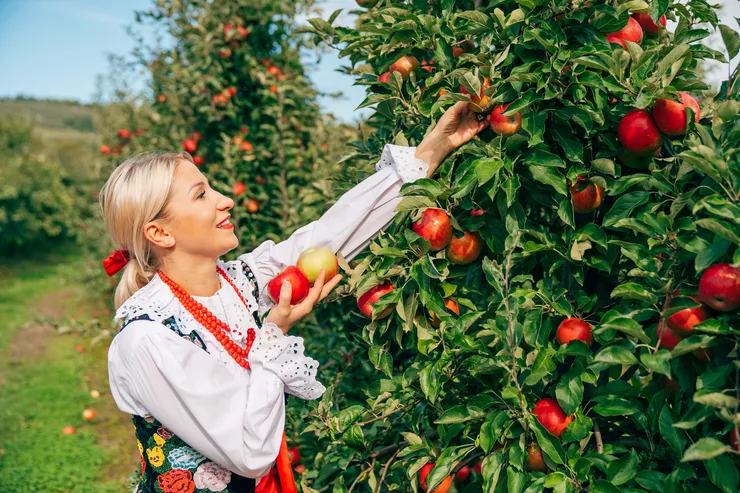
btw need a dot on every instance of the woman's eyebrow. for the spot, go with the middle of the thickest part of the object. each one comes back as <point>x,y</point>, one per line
<point>197,184</point>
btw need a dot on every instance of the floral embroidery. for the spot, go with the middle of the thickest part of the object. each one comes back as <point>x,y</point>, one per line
<point>185,458</point>
<point>155,456</point>
<point>158,440</point>
<point>176,481</point>
<point>164,433</point>
<point>255,292</point>
<point>141,448</point>
<point>143,464</point>
<point>149,419</point>
<point>212,477</point>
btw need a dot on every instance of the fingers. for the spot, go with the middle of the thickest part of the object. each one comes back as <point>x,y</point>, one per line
<point>286,293</point>
<point>305,306</point>
<point>330,285</point>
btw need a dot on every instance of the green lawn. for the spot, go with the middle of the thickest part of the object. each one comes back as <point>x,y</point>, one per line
<point>45,384</point>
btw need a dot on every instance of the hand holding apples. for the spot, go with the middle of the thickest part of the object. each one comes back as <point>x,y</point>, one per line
<point>285,314</point>
<point>457,126</point>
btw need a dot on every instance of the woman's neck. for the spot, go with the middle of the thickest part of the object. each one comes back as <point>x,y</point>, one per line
<point>196,275</point>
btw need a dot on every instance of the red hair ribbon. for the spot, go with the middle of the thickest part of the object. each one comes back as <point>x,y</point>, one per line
<point>116,261</point>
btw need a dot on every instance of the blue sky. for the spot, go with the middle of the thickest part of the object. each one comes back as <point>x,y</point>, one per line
<point>56,48</point>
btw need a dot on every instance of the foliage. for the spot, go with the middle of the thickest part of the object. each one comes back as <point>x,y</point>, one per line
<point>465,391</point>
<point>38,204</point>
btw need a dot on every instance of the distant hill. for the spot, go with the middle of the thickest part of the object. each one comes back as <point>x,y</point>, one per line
<point>50,114</point>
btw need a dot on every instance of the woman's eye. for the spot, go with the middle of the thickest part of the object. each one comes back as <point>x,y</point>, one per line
<point>202,194</point>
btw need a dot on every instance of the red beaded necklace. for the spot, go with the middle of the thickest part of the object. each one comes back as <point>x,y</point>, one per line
<point>208,320</point>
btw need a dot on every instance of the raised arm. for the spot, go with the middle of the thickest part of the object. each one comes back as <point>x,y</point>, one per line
<point>349,225</point>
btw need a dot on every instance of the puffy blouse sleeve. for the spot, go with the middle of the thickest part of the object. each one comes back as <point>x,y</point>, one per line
<point>236,420</point>
<point>350,224</point>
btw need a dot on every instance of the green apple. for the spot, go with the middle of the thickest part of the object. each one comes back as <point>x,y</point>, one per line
<point>313,260</point>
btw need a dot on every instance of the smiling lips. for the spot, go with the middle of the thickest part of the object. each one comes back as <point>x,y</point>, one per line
<point>225,224</point>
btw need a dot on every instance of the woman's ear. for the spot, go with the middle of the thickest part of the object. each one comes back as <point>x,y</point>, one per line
<point>160,237</point>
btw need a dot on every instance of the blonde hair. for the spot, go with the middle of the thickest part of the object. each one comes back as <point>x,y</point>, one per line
<point>136,193</point>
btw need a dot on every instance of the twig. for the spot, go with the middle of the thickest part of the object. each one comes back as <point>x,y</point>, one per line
<point>357,479</point>
<point>511,334</point>
<point>465,462</point>
<point>392,448</point>
<point>382,416</point>
<point>599,440</point>
<point>385,471</point>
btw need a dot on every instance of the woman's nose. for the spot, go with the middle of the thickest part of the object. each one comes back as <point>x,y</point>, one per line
<point>226,203</point>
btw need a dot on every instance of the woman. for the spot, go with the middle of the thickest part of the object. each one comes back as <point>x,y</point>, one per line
<point>201,372</point>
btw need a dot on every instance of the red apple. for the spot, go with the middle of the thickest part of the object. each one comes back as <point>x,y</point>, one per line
<point>668,338</point>
<point>670,116</point>
<point>586,196</point>
<point>88,414</point>
<point>196,136</point>
<point>631,32</point>
<point>719,287</point>
<point>462,474</point>
<point>405,65</point>
<point>614,39</point>
<point>480,102</point>
<point>464,47</point>
<point>574,329</point>
<point>443,487</point>
<point>683,322</point>
<point>139,132</point>
<point>670,384</point>
<point>274,89</point>
<point>69,430</point>
<point>244,130</point>
<point>478,467</point>
<point>239,188</point>
<point>246,146</point>
<point>161,98</point>
<point>535,462</point>
<point>465,249</point>
<point>297,280</point>
<point>427,65</point>
<point>638,133</point>
<point>95,394</point>
<point>260,180</point>
<point>231,91</point>
<point>253,205</point>
<point>735,439</point>
<point>451,305</point>
<point>369,298</point>
<point>190,145</point>
<point>241,32</point>
<point>551,416</point>
<point>124,134</point>
<point>224,52</point>
<point>477,212</point>
<point>505,125</point>
<point>312,260</point>
<point>434,225</point>
<point>198,160</point>
<point>104,150</point>
<point>273,70</point>
<point>79,348</point>
<point>294,455</point>
<point>385,77</point>
<point>647,24</point>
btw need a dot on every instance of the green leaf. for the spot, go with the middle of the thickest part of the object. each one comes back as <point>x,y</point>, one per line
<point>659,362</point>
<point>615,355</point>
<point>414,203</point>
<point>549,176</point>
<point>622,470</point>
<point>429,381</point>
<point>635,291</point>
<point>486,168</point>
<point>716,399</point>
<point>624,206</point>
<point>460,414</point>
<point>723,473</point>
<point>720,228</point>
<point>627,325</point>
<point>569,392</point>
<point>668,432</point>
<point>705,448</point>
<point>548,443</point>
<point>602,486</point>
<point>354,437</point>
<point>731,40</point>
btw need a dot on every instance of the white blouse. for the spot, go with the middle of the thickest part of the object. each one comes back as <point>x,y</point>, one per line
<point>231,416</point>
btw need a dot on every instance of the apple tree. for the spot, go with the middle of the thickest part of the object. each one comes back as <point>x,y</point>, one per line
<point>558,307</point>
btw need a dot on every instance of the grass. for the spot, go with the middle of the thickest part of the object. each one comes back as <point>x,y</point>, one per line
<point>45,384</point>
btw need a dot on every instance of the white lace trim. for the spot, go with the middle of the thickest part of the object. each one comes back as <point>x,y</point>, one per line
<point>283,355</point>
<point>404,161</point>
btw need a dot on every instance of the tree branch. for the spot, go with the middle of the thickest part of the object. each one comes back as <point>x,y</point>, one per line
<point>382,416</point>
<point>599,440</point>
<point>385,471</point>
<point>362,473</point>
<point>392,448</point>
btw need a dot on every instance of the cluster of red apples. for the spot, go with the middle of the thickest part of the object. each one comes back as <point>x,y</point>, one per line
<point>124,137</point>
<point>302,275</point>
<point>434,226</point>
<point>233,34</point>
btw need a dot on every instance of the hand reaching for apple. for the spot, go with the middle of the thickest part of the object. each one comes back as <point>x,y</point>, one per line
<point>285,315</point>
<point>457,126</point>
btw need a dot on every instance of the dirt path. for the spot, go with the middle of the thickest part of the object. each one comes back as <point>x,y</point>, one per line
<point>33,339</point>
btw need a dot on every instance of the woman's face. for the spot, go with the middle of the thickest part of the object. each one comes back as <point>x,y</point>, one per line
<point>199,215</point>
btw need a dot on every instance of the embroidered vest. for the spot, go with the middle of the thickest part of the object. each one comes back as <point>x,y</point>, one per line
<point>168,464</point>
